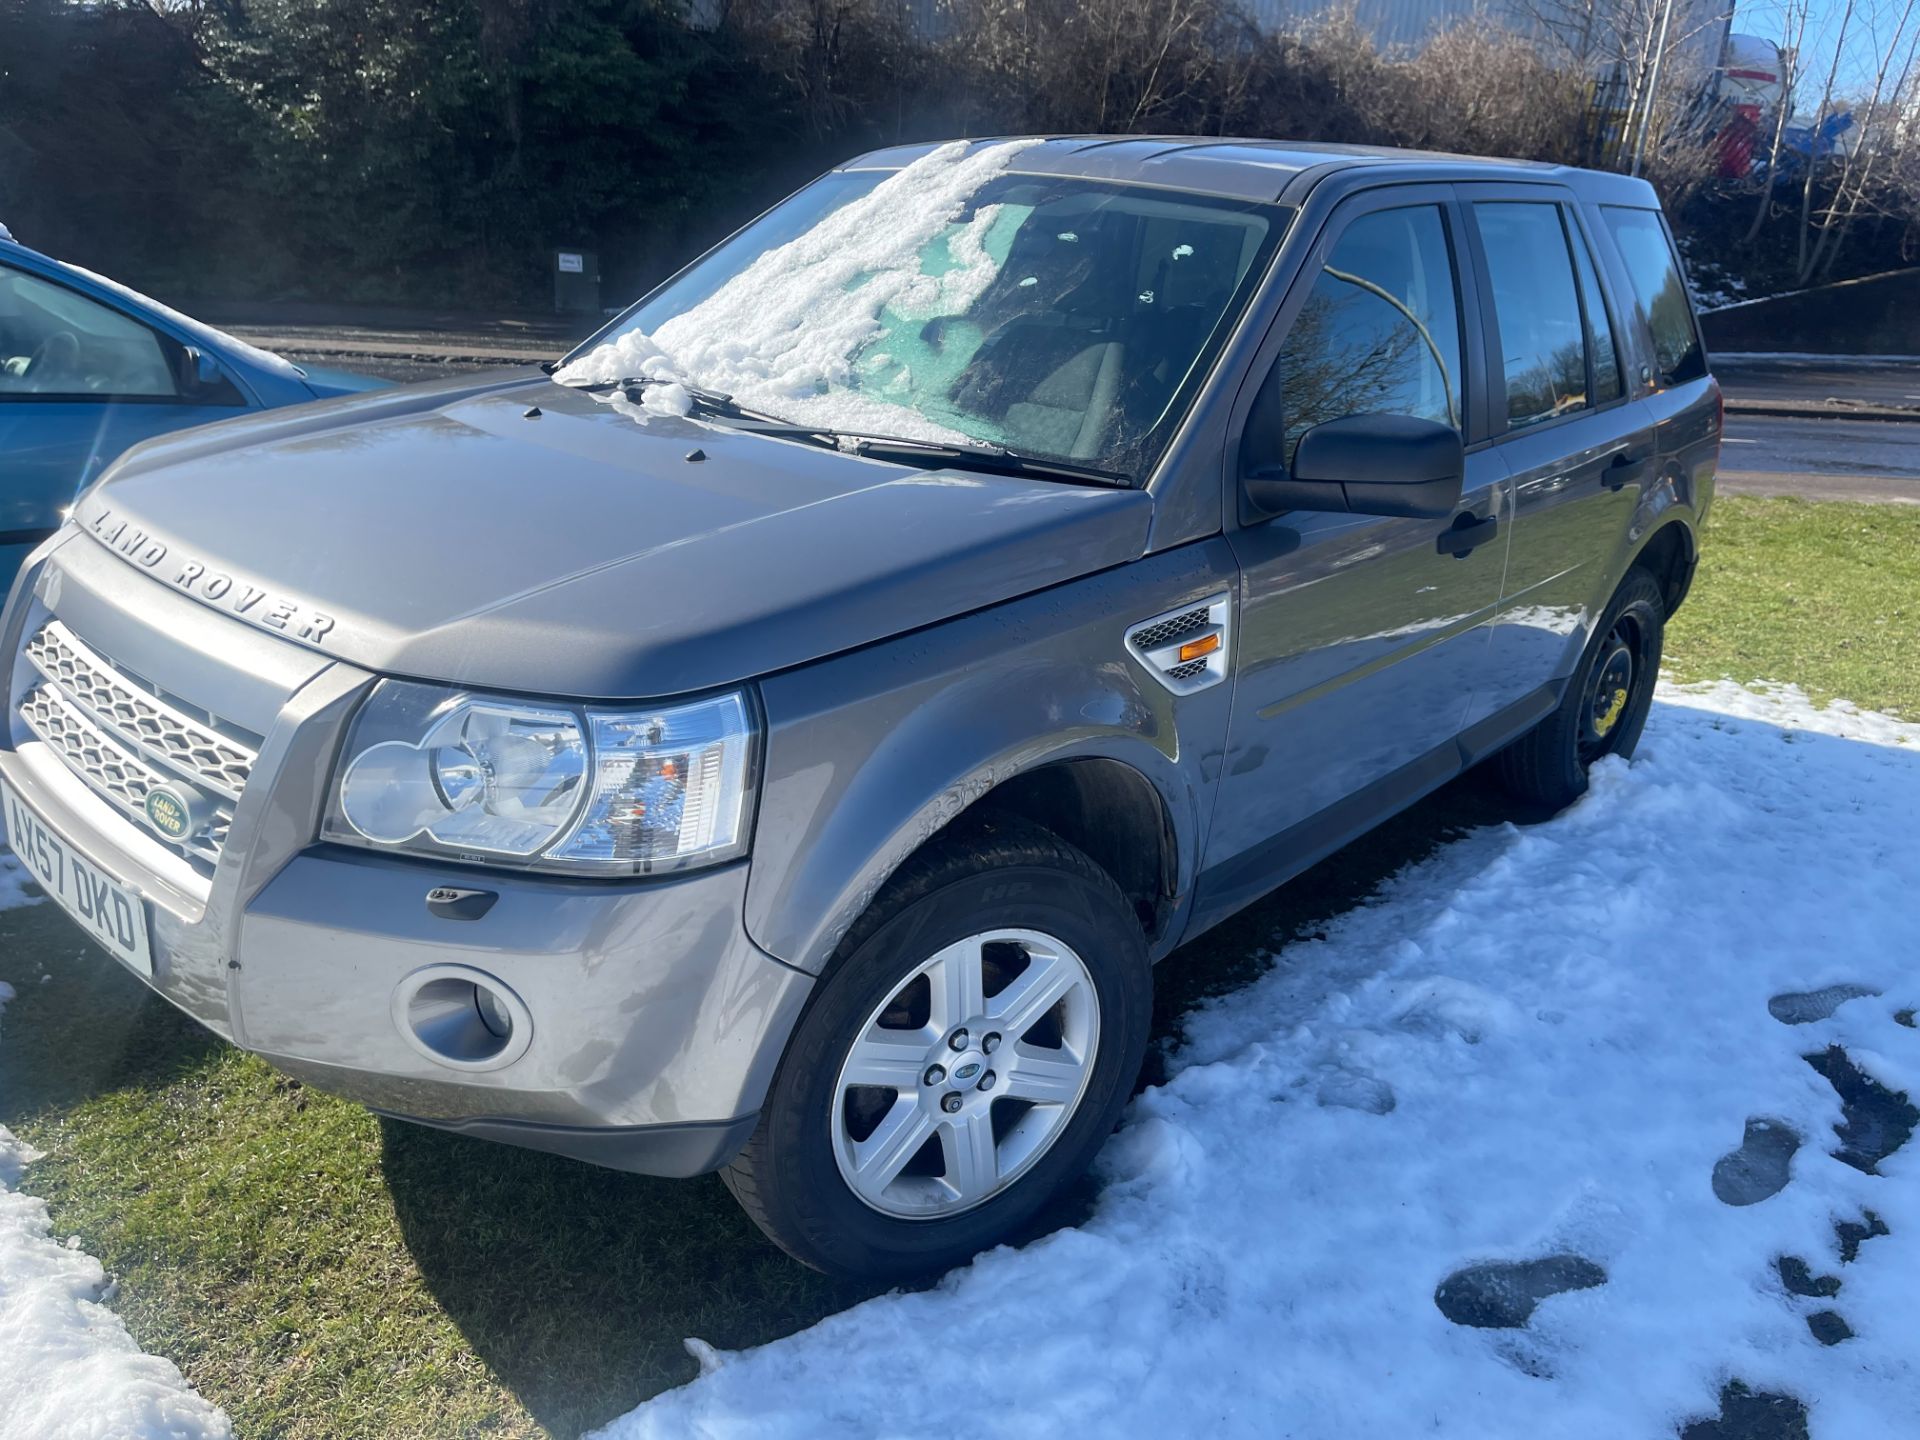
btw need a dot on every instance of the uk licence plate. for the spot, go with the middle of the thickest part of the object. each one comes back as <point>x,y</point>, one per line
<point>106,909</point>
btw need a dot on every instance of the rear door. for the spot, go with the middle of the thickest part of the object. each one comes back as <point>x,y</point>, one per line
<point>1578,446</point>
<point>1668,366</point>
<point>1361,639</point>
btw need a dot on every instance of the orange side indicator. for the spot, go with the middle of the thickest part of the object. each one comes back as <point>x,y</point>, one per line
<point>1194,649</point>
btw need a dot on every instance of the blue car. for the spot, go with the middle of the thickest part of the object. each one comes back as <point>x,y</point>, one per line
<point>88,368</point>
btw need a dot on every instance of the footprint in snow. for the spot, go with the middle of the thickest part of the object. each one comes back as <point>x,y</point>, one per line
<point>1751,1415</point>
<point>1797,1278</point>
<point>1875,1121</point>
<point>1345,1089</point>
<point>1803,1007</point>
<point>1853,1233</point>
<point>1760,1168</point>
<point>1502,1294</point>
<point>1828,1328</point>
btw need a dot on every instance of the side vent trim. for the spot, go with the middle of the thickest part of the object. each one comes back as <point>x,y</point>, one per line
<point>1157,644</point>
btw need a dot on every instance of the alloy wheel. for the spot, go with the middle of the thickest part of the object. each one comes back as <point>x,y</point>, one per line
<point>962,1079</point>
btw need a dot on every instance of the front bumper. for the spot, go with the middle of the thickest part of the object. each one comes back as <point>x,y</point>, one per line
<point>654,1023</point>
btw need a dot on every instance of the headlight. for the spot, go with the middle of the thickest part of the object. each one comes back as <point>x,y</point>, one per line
<point>432,771</point>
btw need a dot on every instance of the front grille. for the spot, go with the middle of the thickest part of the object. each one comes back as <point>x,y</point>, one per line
<point>1153,636</point>
<point>124,736</point>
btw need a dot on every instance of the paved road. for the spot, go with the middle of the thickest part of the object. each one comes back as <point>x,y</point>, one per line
<point>1831,385</point>
<point>1821,459</point>
<point>410,346</point>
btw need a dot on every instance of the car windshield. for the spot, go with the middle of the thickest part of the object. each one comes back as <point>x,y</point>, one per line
<point>956,301</point>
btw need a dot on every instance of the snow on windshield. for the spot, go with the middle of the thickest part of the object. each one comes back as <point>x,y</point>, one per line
<point>783,335</point>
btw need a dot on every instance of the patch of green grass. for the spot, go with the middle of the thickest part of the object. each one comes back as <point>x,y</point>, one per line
<point>1824,594</point>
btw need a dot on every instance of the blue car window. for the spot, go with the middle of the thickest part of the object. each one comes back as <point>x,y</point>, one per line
<point>57,343</point>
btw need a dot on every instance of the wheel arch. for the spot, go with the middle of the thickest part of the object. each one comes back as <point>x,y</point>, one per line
<point>1119,800</point>
<point>1111,812</point>
<point>1670,553</point>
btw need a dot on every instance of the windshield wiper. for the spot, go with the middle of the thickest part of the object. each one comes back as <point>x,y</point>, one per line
<point>997,458</point>
<point>705,401</point>
<point>956,453</point>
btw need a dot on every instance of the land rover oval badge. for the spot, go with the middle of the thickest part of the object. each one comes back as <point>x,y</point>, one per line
<point>169,812</point>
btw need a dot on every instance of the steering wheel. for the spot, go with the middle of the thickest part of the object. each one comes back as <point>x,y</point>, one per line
<point>55,358</point>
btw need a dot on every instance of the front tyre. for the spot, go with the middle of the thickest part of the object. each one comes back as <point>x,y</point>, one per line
<point>961,1063</point>
<point>1605,705</point>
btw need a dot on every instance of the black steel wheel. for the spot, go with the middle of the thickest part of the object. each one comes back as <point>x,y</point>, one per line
<point>1605,705</point>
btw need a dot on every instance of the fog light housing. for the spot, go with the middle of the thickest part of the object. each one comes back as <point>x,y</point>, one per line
<point>462,1018</point>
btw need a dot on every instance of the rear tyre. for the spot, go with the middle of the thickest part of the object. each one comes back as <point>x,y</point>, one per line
<point>1605,705</point>
<point>964,1058</point>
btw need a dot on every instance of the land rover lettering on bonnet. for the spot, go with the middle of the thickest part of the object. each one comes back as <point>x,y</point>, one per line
<point>781,740</point>
<point>211,585</point>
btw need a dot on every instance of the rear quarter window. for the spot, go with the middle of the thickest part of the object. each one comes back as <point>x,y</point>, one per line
<point>1659,292</point>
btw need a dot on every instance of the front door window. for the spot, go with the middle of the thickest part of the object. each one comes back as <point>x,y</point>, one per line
<point>58,344</point>
<point>1380,332</point>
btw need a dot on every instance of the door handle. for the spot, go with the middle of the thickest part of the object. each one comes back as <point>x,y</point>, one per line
<point>1626,470</point>
<point>1466,534</point>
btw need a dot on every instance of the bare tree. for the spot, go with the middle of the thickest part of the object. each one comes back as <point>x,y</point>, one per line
<point>1803,266</point>
<point>1793,34</point>
<point>1115,65</point>
<point>1649,49</point>
<point>1877,135</point>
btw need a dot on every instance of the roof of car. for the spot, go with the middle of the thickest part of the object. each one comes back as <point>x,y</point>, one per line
<point>1256,169</point>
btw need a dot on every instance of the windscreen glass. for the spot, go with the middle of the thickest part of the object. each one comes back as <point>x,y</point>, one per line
<point>956,300</point>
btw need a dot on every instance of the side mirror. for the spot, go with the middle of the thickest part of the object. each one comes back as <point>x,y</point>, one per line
<point>203,379</point>
<point>202,369</point>
<point>1365,465</point>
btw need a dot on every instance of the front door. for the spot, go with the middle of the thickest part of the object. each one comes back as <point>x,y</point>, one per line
<point>1361,639</point>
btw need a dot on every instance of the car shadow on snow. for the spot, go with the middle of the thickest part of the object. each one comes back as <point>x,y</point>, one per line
<point>577,1285</point>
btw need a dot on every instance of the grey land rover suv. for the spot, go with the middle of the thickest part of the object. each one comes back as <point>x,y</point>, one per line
<point>783,737</point>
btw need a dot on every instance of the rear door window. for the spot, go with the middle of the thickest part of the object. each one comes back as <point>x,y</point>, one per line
<point>1600,343</point>
<point>1659,292</point>
<point>1543,339</point>
<point>1380,332</point>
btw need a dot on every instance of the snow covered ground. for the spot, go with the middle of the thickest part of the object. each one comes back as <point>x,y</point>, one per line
<point>1558,1058</point>
<point>68,1367</point>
